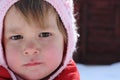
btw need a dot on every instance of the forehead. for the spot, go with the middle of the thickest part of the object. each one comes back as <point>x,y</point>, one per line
<point>18,19</point>
<point>36,11</point>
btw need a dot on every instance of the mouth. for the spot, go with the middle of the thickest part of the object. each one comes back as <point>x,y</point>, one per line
<point>32,64</point>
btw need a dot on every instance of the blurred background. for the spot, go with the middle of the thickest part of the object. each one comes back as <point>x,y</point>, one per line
<point>98,24</point>
<point>98,47</point>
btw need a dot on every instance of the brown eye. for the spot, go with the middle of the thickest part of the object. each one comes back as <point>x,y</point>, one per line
<point>45,34</point>
<point>16,37</point>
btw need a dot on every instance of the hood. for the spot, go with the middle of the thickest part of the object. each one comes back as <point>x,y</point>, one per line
<point>65,11</point>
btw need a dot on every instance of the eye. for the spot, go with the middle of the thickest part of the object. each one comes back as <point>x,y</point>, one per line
<point>16,37</point>
<point>45,34</point>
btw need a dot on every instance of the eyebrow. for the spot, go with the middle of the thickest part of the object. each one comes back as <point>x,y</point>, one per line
<point>13,30</point>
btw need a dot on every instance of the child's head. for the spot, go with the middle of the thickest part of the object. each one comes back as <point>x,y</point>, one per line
<point>33,39</point>
<point>39,37</point>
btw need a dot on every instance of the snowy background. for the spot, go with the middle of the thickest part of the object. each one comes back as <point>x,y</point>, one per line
<point>99,72</point>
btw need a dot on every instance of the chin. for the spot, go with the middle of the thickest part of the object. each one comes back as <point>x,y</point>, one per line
<point>32,77</point>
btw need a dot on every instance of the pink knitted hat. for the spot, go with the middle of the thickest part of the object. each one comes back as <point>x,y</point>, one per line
<point>65,11</point>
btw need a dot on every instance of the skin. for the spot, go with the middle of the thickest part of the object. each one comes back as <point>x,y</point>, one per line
<point>32,52</point>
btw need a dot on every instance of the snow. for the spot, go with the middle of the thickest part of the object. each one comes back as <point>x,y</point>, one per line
<point>99,72</point>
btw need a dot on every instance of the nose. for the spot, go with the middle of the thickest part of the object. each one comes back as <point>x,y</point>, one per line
<point>31,52</point>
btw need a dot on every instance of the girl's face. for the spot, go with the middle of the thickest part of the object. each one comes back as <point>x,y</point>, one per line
<point>31,51</point>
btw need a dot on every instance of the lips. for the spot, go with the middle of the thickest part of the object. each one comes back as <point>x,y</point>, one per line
<point>32,64</point>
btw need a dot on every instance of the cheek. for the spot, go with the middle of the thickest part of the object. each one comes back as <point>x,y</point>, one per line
<point>12,50</point>
<point>53,52</point>
<point>13,58</point>
<point>12,54</point>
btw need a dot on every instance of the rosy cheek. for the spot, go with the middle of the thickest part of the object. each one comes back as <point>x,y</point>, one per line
<point>53,51</point>
<point>12,52</point>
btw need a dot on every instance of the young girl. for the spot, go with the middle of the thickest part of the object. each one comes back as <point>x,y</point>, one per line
<point>38,39</point>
